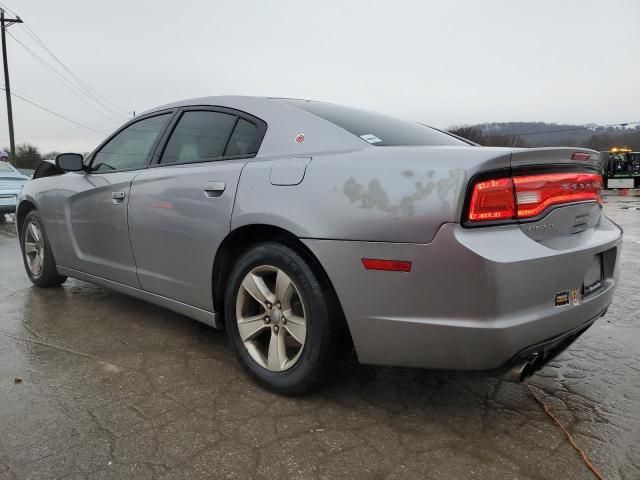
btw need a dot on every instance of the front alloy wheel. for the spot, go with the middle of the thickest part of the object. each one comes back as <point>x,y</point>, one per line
<point>34,248</point>
<point>36,253</point>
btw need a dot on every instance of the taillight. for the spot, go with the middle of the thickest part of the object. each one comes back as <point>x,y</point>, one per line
<point>492,200</point>
<point>535,193</point>
<point>527,196</point>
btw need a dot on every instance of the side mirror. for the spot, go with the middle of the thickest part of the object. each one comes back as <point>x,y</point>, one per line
<point>70,162</point>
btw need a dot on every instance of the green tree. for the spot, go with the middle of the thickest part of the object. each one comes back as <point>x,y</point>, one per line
<point>27,156</point>
<point>50,155</point>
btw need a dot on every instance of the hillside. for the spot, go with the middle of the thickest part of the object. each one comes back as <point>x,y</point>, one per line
<point>542,134</point>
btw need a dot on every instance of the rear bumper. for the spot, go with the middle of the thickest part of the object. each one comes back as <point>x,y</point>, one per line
<point>7,209</point>
<point>8,202</point>
<point>528,361</point>
<point>475,298</point>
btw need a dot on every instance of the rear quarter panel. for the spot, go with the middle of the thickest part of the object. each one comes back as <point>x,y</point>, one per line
<point>384,194</point>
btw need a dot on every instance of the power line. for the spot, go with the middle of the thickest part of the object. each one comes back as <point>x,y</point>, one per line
<point>71,87</point>
<point>98,123</point>
<point>85,87</point>
<point>82,135</point>
<point>68,135</point>
<point>54,113</point>
<point>8,9</point>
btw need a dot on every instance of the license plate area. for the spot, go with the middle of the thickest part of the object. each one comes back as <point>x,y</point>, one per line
<point>593,279</point>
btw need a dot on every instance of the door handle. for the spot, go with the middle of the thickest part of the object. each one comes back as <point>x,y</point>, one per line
<point>214,189</point>
<point>117,197</point>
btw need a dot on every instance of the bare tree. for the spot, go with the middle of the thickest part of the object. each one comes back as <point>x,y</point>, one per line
<point>470,132</point>
<point>477,135</point>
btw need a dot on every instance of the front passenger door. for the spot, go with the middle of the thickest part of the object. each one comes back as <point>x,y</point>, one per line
<point>94,203</point>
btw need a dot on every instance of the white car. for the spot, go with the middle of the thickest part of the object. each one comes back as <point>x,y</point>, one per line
<point>11,182</point>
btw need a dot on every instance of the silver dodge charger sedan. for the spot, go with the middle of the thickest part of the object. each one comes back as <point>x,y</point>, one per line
<point>297,225</point>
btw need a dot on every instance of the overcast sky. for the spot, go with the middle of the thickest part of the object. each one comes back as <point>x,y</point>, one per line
<point>439,62</point>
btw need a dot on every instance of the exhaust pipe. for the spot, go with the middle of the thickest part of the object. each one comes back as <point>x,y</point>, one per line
<point>516,373</point>
<point>523,369</point>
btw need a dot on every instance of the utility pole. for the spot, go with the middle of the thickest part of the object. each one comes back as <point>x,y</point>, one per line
<point>6,23</point>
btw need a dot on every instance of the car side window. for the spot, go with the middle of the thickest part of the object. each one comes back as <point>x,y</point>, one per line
<point>199,135</point>
<point>132,147</point>
<point>243,140</point>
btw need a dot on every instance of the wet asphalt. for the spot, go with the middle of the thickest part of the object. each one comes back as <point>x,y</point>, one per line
<point>97,385</point>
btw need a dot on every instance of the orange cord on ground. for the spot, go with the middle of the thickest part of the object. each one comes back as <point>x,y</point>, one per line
<point>548,411</point>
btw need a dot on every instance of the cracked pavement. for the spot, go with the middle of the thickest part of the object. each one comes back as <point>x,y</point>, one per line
<point>113,387</point>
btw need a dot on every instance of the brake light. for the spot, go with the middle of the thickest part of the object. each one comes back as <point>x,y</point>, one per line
<point>492,200</point>
<point>527,196</point>
<point>580,156</point>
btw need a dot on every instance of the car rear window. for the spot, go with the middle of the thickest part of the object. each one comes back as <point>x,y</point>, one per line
<point>5,167</point>
<point>375,128</point>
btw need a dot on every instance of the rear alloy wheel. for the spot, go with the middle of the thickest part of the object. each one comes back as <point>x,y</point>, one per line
<point>271,319</point>
<point>36,253</point>
<point>278,320</point>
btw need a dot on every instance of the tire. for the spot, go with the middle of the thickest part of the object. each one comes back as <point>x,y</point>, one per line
<point>294,371</point>
<point>37,256</point>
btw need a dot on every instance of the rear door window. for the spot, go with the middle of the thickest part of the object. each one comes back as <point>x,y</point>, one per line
<point>199,136</point>
<point>244,140</point>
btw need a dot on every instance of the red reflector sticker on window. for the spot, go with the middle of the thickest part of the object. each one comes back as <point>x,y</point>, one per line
<point>389,265</point>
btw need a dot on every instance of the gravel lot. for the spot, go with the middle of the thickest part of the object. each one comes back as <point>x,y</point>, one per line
<point>115,388</point>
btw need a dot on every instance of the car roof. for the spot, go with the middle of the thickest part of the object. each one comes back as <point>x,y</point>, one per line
<point>285,123</point>
<point>221,100</point>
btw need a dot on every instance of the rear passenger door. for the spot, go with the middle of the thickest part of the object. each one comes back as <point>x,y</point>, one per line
<point>180,208</point>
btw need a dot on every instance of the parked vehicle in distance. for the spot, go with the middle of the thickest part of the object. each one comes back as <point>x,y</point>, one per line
<point>11,182</point>
<point>295,224</point>
<point>621,168</point>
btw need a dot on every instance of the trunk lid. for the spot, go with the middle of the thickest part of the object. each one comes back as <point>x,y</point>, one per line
<point>11,183</point>
<point>555,156</point>
<point>563,226</point>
